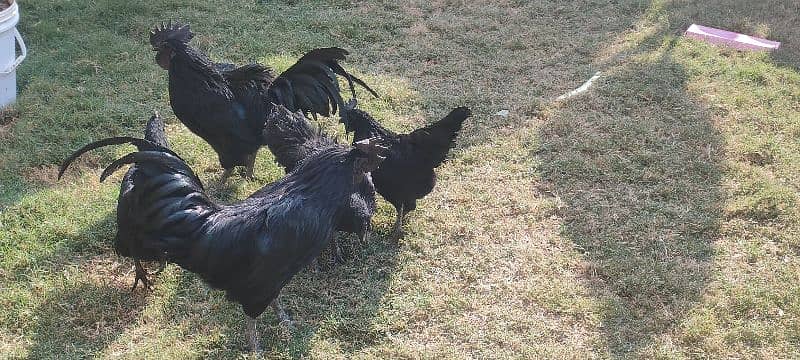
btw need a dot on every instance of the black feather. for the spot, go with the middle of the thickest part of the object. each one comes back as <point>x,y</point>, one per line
<point>129,238</point>
<point>408,173</point>
<point>141,144</point>
<point>249,249</point>
<point>227,106</point>
<point>292,139</point>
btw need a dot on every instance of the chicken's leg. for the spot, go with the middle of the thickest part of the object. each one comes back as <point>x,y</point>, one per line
<point>337,250</point>
<point>161,268</point>
<point>225,175</point>
<point>364,238</point>
<point>252,336</point>
<point>398,225</point>
<point>281,314</point>
<point>250,166</point>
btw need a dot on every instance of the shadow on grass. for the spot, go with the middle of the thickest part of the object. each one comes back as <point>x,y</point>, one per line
<point>78,320</point>
<point>338,305</point>
<point>81,316</point>
<point>86,303</point>
<point>341,303</point>
<point>635,163</point>
<point>68,250</point>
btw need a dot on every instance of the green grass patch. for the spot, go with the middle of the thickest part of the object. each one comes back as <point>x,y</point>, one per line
<point>654,216</point>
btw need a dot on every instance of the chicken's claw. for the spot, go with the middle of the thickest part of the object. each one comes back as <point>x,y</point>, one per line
<point>141,275</point>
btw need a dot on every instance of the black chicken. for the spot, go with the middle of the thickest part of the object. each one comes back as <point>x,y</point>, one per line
<point>407,174</point>
<point>129,240</point>
<point>227,106</point>
<point>291,139</point>
<point>252,248</point>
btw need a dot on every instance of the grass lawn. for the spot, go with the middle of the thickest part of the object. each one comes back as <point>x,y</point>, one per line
<point>654,216</point>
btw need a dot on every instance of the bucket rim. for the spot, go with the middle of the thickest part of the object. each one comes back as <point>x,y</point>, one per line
<point>9,12</point>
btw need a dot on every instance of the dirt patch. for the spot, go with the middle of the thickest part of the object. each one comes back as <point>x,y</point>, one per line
<point>109,271</point>
<point>85,161</point>
<point>47,175</point>
<point>7,118</point>
<point>8,115</point>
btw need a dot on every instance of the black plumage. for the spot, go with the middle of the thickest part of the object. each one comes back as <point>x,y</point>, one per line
<point>408,173</point>
<point>291,139</point>
<point>128,241</point>
<point>227,105</point>
<point>252,248</point>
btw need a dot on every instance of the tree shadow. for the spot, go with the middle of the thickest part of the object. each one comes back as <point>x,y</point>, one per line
<point>639,186</point>
<point>342,304</point>
<point>491,57</point>
<point>81,316</point>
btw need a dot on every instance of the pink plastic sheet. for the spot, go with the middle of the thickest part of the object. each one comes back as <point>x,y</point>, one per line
<point>730,39</point>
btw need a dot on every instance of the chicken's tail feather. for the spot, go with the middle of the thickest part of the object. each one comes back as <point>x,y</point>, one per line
<point>167,203</point>
<point>435,140</point>
<point>455,118</point>
<point>331,56</point>
<point>141,144</point>
<point>154,131</point>
<point>311,85</point>
<point>339,70</point>
<point>167,160</point>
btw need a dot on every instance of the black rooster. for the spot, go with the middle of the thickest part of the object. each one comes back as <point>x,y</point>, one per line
<point>407,174</point>
<point>291,139</point>
<point>252,248</point>
<point>227,106</point>
<point>128,241</point>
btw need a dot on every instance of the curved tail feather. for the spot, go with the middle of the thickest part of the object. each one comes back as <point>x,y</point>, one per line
<point>165,159</point>
<point>311,85</point>
<point>141,144</point>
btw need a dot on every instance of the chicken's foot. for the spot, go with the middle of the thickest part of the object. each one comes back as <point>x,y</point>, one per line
<point>141,275</point>
<point>282,315</point>
<point>364,238</point>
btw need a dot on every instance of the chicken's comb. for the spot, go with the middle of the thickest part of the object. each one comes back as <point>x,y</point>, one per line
<point>170,31</point>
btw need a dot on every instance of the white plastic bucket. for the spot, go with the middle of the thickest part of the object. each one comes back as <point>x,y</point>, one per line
<point>9,37</point>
